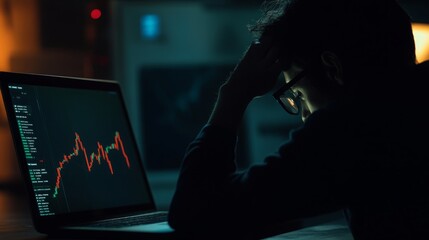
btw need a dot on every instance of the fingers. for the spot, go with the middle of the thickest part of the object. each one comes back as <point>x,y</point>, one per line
<point>271,57</point>
<point>270,60</point>
<point>259,48</point>
<point>258,70</point>
<point>263,55</point>
<point>276,67</point>
<point>262,52</point>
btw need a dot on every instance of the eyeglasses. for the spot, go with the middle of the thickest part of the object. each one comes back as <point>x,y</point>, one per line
<point>289,99</point>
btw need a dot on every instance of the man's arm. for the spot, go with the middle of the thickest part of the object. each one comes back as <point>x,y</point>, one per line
<point>210,159</point>
<point>255,75</point>
<point>211,195</point>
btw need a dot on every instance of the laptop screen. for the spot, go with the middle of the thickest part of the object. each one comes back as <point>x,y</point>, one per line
<point>78,147</point>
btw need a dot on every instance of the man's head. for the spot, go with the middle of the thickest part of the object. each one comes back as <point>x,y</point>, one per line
<point>341,41</point>
<point>366,32</point>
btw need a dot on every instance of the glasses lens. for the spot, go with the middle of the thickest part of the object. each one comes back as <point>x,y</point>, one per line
<point>290,102</point>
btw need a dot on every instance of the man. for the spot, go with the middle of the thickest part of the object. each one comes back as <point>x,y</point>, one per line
<point>351,73</point>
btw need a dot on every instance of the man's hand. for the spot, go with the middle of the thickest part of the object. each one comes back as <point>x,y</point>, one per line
<point>254,75</point>
<point>257,73</point>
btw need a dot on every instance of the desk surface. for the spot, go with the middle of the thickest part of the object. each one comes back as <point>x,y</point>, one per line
<point>15,223</point>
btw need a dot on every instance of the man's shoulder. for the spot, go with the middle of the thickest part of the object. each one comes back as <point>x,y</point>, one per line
<point>422,70</point>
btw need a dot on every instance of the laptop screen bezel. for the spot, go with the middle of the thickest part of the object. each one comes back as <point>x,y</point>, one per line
<point>46,224</point>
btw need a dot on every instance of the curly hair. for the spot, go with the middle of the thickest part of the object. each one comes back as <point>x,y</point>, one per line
<point>363,33</point>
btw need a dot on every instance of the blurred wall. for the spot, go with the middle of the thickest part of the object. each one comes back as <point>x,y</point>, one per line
<point>6,34</point>
<point>19,29</point>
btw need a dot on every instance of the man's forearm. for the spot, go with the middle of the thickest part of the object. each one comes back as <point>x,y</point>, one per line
<point>255,75</point>
<point>229,108</point>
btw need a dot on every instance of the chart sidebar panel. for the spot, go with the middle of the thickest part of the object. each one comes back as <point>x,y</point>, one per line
<point>78,148</point>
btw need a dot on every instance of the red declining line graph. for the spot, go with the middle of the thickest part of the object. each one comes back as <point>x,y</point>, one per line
<point>102,153</point>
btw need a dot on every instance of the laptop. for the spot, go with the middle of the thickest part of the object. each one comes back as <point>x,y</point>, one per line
<point>79,158</point>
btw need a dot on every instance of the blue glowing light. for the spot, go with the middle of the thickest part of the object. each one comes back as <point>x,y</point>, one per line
<point>149,26</point>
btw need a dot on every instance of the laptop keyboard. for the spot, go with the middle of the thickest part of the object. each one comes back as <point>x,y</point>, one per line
<point>133,220</point>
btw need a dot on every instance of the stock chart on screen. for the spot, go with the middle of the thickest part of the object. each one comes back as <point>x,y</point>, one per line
<point>78,147</point>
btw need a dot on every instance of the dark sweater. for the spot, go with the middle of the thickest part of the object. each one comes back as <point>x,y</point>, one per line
<point>365,155</point>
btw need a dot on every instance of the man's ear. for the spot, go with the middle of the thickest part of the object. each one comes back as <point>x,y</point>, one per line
<point>333,67</point>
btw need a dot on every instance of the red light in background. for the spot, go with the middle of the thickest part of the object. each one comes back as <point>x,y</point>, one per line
<point>95,13</point>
